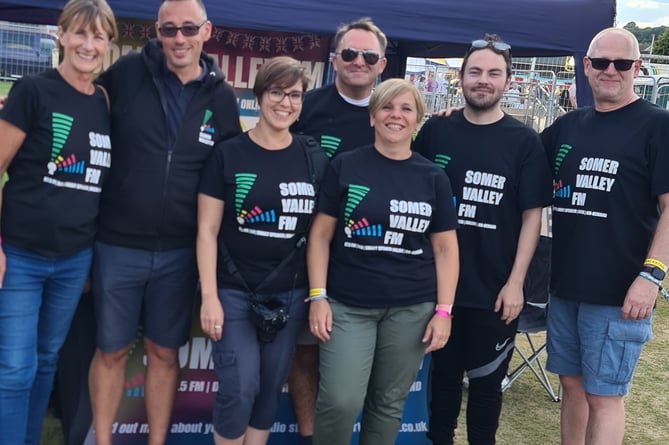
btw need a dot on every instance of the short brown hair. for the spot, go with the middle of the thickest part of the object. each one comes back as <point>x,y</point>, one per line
<point>491,39</point>
<point>390,89</point>
<point>87,12</point>
<point>364,24</point>
<point>280,72</point>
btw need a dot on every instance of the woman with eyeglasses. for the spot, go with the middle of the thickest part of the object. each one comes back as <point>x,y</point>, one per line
<point>256,200</point>
<point>55,146</point>
<point>382,252</point>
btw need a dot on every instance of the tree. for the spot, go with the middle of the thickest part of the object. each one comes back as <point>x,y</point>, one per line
<point>632,27</point>
<point>645,35</point>
<point>662,44</point>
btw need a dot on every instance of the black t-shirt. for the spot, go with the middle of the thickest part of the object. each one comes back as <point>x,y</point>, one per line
<point>497,171</point>
<point>381,255</point>
<point>269,200</point>
<point>50,203</point>
<point>609,169</point>
<point>336,124</point>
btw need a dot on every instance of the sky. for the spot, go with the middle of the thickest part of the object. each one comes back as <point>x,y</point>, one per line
<point>644,12</point>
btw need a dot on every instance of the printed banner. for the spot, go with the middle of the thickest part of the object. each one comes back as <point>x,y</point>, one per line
<point>196,390</point>
<point>239,53</point>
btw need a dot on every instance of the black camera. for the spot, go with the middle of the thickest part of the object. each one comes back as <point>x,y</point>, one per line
<point>268,317</point>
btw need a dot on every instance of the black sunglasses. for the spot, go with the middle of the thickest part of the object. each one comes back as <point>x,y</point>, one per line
<point>601,64</point>
<point>499,46</point>
<point>187,30</point>
<point>350,54</point>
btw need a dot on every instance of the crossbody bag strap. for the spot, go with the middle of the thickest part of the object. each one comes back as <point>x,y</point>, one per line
<point>316,164</point>
<point>106,95</point>
<point>234,271</point>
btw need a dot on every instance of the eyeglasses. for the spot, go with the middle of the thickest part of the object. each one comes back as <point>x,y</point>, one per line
<point>350,54</point>
<point>497,45</point>
<point>187,30</point>
<point>601,64</point>
<point>277,95</point>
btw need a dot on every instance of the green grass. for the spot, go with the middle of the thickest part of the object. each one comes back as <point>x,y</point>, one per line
<point>4,87</point>
<point>529,417</point>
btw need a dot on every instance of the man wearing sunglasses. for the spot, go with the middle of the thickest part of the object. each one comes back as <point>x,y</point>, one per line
<point>500,181</point>
<point>338,117</point>
<point>610,240</point>
<point>169,105</point>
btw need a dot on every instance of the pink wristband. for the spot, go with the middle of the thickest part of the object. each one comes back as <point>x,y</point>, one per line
<point>444,307</point>
<point>443,313</point>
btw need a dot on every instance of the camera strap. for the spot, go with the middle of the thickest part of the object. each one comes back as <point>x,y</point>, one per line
<point>316,163</point>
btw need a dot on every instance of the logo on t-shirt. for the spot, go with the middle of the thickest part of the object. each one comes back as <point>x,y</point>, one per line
<point>562,153</point>
<point>297,198</point>
<point>404,218</point>
<point>330,144</point>
<point>442,160</point>
<point>206,130</point>
<point>62,126</point>
<point>356,193</point>
<point>592,175</point>
<point>89,177</point>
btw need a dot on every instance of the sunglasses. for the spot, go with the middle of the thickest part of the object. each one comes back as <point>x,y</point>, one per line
<point>350,54</point>
<point>499,46</point>
<point>187,30</point>
<point>619,64</point>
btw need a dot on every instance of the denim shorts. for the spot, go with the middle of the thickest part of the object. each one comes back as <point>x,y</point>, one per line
<point>594,342</point>
<point>133,287</point>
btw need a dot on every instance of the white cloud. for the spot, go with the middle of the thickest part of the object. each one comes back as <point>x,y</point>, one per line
<point>643,12</point>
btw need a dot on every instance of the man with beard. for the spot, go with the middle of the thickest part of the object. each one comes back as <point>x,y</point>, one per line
<point>337,115</point>
<point>500,182</point>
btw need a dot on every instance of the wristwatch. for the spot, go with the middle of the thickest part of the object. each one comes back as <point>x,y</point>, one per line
<point>655,272</point>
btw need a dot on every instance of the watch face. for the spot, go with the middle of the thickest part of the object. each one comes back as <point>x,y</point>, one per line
<point>656,272</point>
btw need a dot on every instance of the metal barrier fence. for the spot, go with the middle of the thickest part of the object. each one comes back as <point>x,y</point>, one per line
<point>653,88</point>
<point>534,98</point>
<point>26,49</point>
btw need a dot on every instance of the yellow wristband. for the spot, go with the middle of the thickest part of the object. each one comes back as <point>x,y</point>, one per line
<point>317,291</point>
<point>657,263</point>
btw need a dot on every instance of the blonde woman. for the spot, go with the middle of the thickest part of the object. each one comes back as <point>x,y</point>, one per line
<point>382,253</point>
<point>55,146</point>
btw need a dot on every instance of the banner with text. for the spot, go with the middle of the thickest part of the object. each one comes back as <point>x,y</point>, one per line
<point>196,390</point>
<point>239,53</point>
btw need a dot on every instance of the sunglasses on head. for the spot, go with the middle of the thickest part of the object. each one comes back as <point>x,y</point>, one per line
<point>187,30</point>
<point>499,46</point>
<point>601,64</point>
<point>350,54</point>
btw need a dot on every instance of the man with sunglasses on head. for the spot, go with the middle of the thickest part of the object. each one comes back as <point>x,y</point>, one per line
<point>169,105</point>
<point>337,116</point>
<point>500,182</point>
<point>610,240</point>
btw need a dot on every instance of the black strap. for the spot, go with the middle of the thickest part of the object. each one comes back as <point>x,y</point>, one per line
<point>316,164</point>
<point>234,271</point>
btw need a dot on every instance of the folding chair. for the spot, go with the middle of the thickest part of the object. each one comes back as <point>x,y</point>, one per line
<point>532,320</point>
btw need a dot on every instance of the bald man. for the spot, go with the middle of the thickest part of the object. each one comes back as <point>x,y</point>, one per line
<point>611,240</point>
